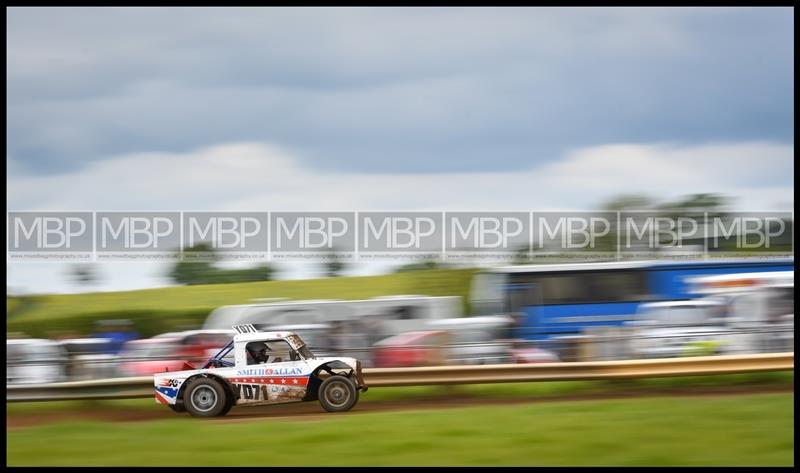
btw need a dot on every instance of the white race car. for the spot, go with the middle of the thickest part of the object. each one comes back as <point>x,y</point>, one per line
<point>266,368</point>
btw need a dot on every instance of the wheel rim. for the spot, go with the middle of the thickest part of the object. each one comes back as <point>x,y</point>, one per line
<point>337,394</point>
<point>204,398</point>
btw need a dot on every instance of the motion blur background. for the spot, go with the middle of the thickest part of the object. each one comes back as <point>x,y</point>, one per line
<point>686,111</point>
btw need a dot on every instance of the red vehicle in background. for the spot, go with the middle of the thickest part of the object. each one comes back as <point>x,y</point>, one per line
<point>523,351</point>
<point>420,348</point>
<point>174,351</point>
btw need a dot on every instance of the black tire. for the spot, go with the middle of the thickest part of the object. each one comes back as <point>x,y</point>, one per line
<point>205,397</point>
<point>338,394</point>
<point>178,407</point>
<point>228,406</point>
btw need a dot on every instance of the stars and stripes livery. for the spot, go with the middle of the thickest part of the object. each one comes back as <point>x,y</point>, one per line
<point>246,382</point>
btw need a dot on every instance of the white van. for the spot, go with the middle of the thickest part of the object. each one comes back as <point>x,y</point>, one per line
<point>735,314</point>
<point>760,307</point>
<point>681,328</point>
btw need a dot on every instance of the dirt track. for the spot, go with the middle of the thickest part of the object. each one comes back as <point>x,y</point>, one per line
<point>313,411</point>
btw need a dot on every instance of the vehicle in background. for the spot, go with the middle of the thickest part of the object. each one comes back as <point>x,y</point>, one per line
<point>89,358</point>
<point>417,348</point>
<point>681,328</point>
<point>480,340</point>
<point>199,344</point>
<point>118,331</point>
<point>736,314</point>
<point>379,317</point>
<point>174,351</point>
<point>525,351</point>
<point>553,301</point>
<point>759,307</point>
<point>35,361</point>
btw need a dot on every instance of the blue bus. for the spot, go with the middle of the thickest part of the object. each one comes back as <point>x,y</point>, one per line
<point>556,300</point>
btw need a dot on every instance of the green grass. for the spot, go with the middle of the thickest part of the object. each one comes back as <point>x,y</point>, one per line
<point>733,430</point>
<point>157,310</point>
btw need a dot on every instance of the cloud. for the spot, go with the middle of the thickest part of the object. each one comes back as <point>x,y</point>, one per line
<point>392,90</point>
<point>259,176</point>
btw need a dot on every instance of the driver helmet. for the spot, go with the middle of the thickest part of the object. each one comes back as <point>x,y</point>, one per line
<point>258,351</point>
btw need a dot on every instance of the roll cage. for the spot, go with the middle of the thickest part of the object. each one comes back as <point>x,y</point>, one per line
<point>217,360</point>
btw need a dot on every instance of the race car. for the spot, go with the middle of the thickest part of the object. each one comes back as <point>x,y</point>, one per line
<point>258,368</point>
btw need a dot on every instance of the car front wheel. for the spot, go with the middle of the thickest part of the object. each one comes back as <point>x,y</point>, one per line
<point>205,397</point>
<point>178,407</point>
<point>338,394</point>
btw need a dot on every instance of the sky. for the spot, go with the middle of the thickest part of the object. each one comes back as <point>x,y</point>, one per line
<point>392,108</point>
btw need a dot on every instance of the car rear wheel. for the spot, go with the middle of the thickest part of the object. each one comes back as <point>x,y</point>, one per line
<point>205,397</point>
<point>338,394</point>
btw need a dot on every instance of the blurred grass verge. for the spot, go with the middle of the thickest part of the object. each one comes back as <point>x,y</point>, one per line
<point>742,430</point>
<point>510,391</point>
<point>155,311</point>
